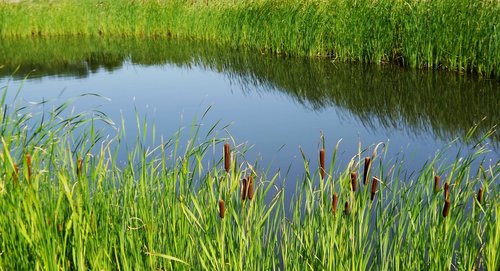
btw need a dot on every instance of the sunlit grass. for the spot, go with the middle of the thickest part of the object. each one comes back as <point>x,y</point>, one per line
<point>456,35</point>
<point>182,205</point>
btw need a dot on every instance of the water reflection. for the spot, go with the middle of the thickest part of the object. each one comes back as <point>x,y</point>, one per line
<point>445,105</point>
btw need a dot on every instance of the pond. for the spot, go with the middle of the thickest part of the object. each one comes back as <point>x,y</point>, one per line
<point>274,104</point>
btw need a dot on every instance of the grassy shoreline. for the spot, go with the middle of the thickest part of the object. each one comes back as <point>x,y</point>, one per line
<point>455,35</point>
<point>67,203</point>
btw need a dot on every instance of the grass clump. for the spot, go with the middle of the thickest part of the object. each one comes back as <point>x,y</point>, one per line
<point>178,205</point>
<point>456,35</point>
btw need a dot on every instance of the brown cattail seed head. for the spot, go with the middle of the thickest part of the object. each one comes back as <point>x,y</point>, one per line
<point>227,157</point>
<point>244,189</point>
<point>28,165</point>
<point>436,183</point>
<point>446,209</point>
<point>322,171</point>
<point>250,187</point>
<point>367,166</point>
<point>374,186</point>
<point>221,208</point>
<point>335,199</point>
<point>446,191</point>
<point>353,181</point>
<point>347,210</point>
<point>79,167</point>
<point>480,195</point>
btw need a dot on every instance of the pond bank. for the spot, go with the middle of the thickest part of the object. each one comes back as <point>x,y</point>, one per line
<point>452,35</point>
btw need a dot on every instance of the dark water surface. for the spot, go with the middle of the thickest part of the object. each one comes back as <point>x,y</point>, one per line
<point>273,103</point>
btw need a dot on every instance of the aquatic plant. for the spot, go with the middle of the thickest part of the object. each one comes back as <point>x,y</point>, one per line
<point>453,35</point>
<point>168,207</point>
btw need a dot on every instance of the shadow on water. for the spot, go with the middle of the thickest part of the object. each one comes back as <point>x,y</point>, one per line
<point>445,105</point>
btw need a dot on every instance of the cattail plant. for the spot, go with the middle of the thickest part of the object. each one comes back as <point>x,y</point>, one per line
<point>250,187</point>
<point>335,199</point>
<point>79,167</point>
<point>347,210</point>
<point>446,209</point>
<point>244,189</point>
<point>353,181</point>
<point>222,209</point>
<point>367,166</point>
<point>436,183</point>
<point>15,176</point>
<point>446,191</point>
<point>322,171</point>
<point>227,157</point>
<point>480,195</point>
<point>28,166</point>
<point>374,186</point>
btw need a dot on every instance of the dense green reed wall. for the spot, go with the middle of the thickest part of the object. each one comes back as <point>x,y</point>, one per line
<point>448,34</point>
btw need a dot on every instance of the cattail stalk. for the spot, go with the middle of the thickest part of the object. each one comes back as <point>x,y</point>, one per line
<point>353,181</point>
<point>374,186</point>
<point>227,157</point>
<point>15,176</point>
<point>244,189</point>
<point>222,209</point>
<point>347,210</point>
<point>437,179</point>
<point>79,167</point>
<point>28,166</point>
<point>446,191</point>
<point>480,195</point>
<point>367,167</point>
<point>335,199</point>
<point>250,187</point>
<point>446,209</point>
<point>322,171</point>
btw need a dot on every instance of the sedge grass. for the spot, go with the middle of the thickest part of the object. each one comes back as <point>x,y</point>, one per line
<point>78,208</point>
<point>455,35</point>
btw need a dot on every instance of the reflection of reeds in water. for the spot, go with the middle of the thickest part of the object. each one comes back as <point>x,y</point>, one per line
<point>358,90</point>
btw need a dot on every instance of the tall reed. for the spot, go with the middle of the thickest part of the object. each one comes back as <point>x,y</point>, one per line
<point>457,35</point>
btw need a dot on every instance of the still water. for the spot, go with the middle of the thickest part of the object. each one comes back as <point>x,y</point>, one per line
<point>274,104</point>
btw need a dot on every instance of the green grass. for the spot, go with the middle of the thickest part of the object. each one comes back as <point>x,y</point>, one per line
<point>159,209</point>
<point>458,35</point>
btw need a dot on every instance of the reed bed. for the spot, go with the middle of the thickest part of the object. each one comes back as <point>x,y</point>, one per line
<point>453,35</point>
<point>72,205</point>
